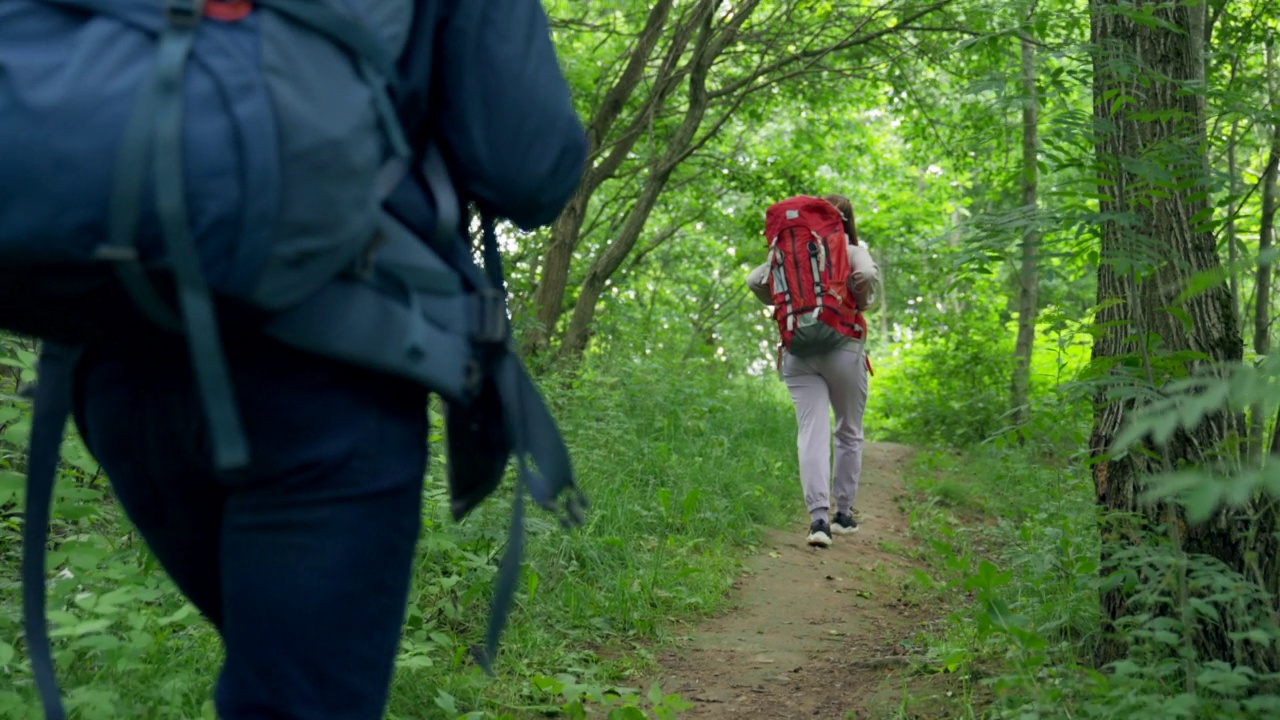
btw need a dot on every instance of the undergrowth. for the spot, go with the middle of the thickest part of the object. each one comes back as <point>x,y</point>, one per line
<point>1020,540</point>
<point>683,470</point>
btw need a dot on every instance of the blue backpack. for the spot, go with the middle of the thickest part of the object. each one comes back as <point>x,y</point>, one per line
<point>299,165</point>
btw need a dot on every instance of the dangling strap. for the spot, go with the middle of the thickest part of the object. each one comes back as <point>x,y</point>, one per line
<point>543,467</point>
<point>52,407</point>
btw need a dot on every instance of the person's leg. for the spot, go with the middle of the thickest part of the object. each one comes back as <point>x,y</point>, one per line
<point>318,540</point>
<point>846,375</point>
<point>136,414</point>
<point>813,438</point>
<point>303,561</point>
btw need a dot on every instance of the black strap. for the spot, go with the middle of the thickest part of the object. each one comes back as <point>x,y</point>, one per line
<point>52,407</point>
<point>509,567</point>
<point>492,255</point>
<point>543,469</point>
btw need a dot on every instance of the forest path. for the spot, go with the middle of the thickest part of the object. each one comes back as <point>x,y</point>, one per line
<point>812,632</point>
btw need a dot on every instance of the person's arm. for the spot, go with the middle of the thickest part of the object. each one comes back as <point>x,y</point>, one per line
<point>864,278</point>
<point>758,282</point>
<point>502,109</point>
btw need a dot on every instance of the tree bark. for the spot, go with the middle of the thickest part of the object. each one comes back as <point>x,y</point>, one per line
<point>1150,143</point>
<point>1028,275</point>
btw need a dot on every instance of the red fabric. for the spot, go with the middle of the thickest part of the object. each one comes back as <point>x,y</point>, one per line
<point>816,226</point>
<point>228,10</point>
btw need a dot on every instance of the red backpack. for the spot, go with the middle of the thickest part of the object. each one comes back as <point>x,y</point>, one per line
<point>809,275</point>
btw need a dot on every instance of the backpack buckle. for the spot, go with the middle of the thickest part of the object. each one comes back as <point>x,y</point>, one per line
<point>183,13</point>
<point>491,323</point>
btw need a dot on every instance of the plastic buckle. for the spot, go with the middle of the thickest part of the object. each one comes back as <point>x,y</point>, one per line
<point>183,13</point>
<point>115,253</point>
<point>493,316</point>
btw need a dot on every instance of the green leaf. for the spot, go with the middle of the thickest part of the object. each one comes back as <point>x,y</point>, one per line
<point>447,703</point>
<point>1202,500</point>
<point>13,486</point>
<point>83,628</point>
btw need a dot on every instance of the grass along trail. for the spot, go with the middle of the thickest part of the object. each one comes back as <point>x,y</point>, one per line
<point>813,632</point>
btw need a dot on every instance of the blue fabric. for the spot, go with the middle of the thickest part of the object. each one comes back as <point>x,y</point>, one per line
<point>303,561</point>
<point>62,70</point>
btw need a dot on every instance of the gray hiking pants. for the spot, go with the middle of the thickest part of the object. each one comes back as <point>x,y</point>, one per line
<point>837,380</point>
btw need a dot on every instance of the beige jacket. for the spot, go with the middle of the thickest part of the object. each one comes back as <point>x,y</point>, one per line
<point>864,281</point>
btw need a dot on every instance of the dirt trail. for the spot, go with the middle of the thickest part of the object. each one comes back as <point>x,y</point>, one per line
<point>811,632</point>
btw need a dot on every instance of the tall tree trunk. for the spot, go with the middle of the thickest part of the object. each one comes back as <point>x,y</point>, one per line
<point>1146,118</point>
<point>1028,275</point>
<point>883,306</point>
<point>1266,239</point>
<point>1233,245</point>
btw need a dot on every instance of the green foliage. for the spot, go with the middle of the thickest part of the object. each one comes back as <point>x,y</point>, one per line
<point>1024,588</point>
<point>950,387</point>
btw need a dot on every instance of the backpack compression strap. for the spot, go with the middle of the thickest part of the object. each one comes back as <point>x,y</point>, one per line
<point>159,112</point>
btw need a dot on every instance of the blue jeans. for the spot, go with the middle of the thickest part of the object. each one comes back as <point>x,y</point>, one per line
<point>303,561</point>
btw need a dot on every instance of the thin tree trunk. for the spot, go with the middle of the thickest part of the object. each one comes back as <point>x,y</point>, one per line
<point>1143,112</point>
<point>548,299</point>
<point>1028,275</point>
<point>883,306</point>
<point>1233,245</point>
<point>1266,239</point>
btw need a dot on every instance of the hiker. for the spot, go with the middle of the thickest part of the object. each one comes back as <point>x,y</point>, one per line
<point>301,555</point>
<point>822,356</point>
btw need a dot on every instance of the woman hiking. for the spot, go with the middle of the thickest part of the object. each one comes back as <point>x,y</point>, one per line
<point>819,295</point>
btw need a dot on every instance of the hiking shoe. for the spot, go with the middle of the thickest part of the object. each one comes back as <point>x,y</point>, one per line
<point>844,524</point>
<point>819,534</point>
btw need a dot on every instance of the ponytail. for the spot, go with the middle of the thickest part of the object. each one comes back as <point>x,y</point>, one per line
<point>845,208</point>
